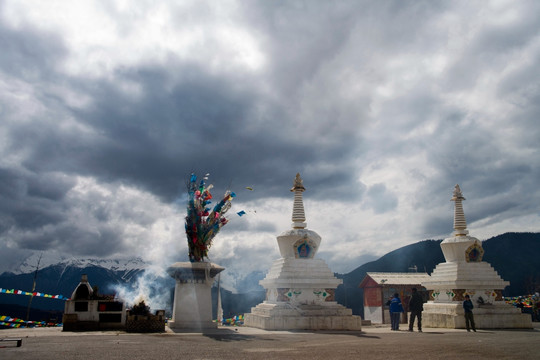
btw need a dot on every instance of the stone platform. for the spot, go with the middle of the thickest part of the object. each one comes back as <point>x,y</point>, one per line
<point>300,295</point>
<point>303,317</point>
<point>497,316</point>
<point>192,308</point>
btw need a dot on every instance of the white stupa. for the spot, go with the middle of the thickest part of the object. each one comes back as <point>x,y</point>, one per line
<point>464,273</point>
<point>300,289</point>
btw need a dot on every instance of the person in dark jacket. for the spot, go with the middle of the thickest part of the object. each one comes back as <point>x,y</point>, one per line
<point>396,308</point>
<point>416,306</point>
<point>469,318</point>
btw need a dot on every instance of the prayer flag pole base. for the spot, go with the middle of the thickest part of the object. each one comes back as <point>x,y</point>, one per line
<point>192,308</point>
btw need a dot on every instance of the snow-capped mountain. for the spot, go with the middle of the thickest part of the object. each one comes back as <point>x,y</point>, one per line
<point>125,278</point>
<point>46,259</point>
<point>60,275</point>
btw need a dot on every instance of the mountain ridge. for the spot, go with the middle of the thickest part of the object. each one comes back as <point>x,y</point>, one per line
<point>30,264</point>
<point>512,255</point>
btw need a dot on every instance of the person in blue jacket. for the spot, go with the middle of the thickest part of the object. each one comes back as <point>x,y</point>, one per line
<point>469,318</point>
<point>396,308</point>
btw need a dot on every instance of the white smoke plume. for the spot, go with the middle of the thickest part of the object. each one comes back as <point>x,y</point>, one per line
<point>153,286</point>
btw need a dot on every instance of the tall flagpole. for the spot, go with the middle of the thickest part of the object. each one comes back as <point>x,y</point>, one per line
<point>219,307</point>
<point>33,289</point>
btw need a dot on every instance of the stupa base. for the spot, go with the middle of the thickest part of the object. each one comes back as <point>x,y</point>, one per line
<point>302,317</point>
<point>192,307</point>
<point>496,316</point>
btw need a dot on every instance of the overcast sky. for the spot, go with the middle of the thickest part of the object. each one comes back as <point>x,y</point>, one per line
<point>106,107</point>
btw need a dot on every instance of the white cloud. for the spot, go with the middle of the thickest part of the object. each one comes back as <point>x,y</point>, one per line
<point>382,107</point>
<point>104,37</point>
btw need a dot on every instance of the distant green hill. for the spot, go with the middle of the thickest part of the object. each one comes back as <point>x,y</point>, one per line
<point>513,255</point>
<point>516,257</point>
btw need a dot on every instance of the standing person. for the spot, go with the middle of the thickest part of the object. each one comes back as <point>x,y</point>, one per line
<point>396,308</point>
<point>416,306</point>
<point>469,318</point>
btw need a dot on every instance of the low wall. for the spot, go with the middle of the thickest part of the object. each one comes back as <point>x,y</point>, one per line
<point>71,322</point>
<point>451,315</point>
<point>146,323</point>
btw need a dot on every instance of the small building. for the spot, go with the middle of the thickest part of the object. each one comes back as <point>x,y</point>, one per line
<point>379,287</point>
<point>88,310</point>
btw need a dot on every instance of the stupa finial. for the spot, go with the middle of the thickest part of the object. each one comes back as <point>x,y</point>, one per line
<point>460,224</point>
<point>298,215</point>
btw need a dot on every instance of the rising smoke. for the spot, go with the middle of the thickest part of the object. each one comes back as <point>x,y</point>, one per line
<point>153,286</point>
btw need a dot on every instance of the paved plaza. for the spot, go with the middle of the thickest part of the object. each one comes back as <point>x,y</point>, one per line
<point>373,342</point>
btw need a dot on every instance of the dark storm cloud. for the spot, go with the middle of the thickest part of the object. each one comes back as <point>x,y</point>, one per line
<point>489,153</point>
<point>29,53</point>
<point>74,239</point>
<point>380,199</point>
<point>496,45</point>
<point>69,222</point>
<point>303,36</point>
<point>440,226</point>
<point>30,201</point>
<point>492,178</point>
<point>49,186</point>
<point>298,47</point>
<point>495,180</point>
<point>191,121</point>
<point>200,124</point>
<point>424,94</point>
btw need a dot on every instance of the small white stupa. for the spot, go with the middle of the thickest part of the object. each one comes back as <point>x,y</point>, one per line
<point>464,273</point>
<point>300,289</point>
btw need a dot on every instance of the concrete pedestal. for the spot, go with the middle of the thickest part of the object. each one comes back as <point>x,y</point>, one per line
<point>300,296</point>
<point>284,316</point>
<point>192,308</point>
<point>494,316</point>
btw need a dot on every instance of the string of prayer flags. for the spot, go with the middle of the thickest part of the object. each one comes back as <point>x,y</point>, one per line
<point>34,294</point>
<point>525,301</point>
<point>8,321</point>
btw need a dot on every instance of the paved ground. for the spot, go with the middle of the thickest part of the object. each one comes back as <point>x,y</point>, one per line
<point>373,342</point>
